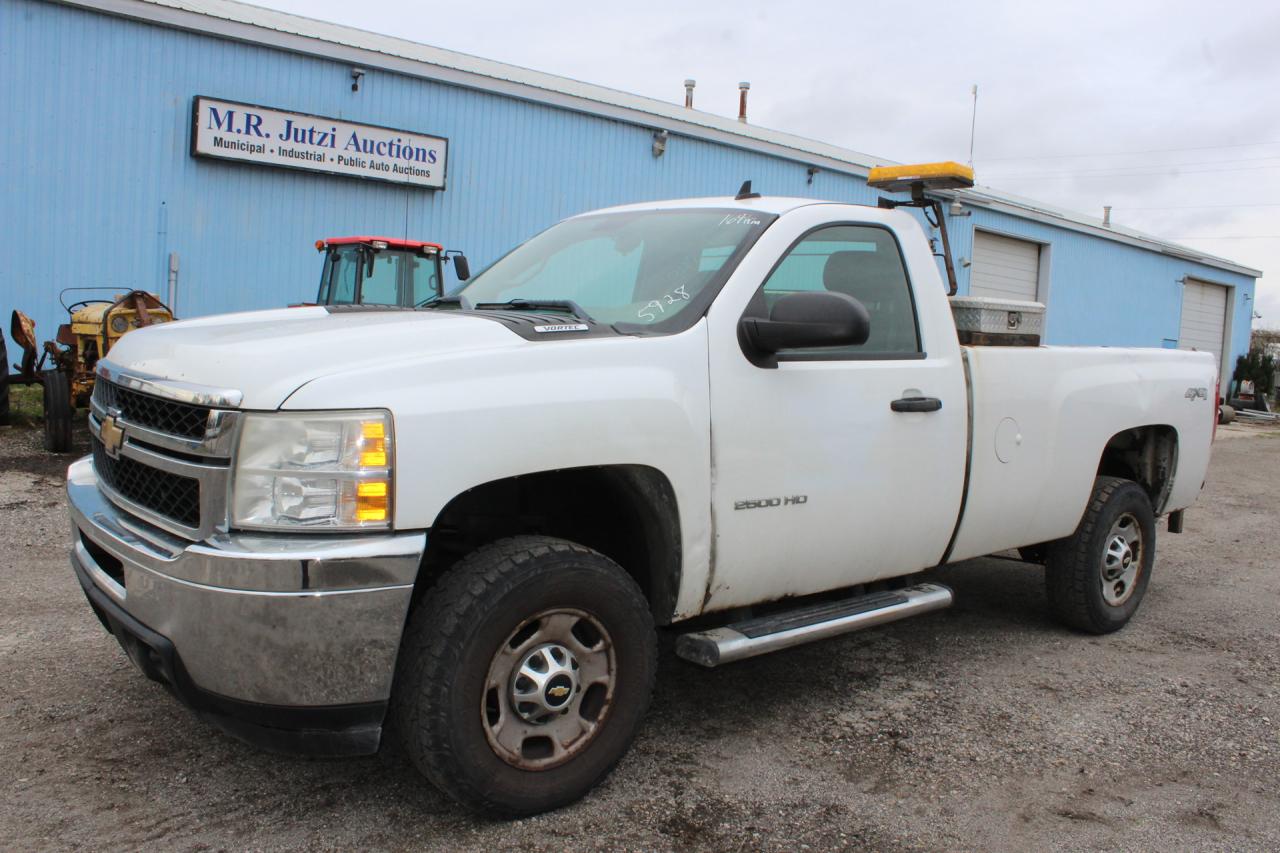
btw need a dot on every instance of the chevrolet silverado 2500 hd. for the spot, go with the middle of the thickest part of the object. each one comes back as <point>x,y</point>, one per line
<point>464,521</point>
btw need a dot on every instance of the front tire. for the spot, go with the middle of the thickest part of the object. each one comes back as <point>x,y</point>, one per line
<point>524,675</point>
<point>1096,577</point>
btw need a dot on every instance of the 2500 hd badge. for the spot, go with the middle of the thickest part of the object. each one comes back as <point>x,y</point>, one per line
<point>768,503</point>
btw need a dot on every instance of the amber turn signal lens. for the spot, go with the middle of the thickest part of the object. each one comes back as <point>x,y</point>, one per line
<point>371,501</point>
<point>373,453</point>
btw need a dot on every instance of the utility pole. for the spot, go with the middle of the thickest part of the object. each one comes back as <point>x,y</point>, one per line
<point>973,121</point>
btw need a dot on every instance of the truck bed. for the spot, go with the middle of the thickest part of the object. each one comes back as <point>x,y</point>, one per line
<point>1037,413</point>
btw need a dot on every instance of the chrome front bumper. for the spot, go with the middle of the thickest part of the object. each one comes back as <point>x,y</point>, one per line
<point>286,621</point>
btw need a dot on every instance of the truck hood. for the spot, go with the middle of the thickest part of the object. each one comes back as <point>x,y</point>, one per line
<point>267,355</point>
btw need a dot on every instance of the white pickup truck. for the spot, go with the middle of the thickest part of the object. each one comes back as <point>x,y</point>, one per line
<point>464,521</point>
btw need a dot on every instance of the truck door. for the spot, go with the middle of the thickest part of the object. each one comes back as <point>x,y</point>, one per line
<point>823,477</point>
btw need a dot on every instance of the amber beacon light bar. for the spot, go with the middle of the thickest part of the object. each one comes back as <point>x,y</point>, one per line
<point>917,179</point>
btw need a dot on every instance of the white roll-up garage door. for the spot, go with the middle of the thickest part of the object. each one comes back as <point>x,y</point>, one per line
<point>1204,317</point>
<point>1004,268</point>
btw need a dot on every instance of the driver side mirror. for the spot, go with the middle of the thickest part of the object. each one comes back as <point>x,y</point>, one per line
<point>818,318</point>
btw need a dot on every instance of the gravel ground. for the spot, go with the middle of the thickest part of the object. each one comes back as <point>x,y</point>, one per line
<point>984,727</point>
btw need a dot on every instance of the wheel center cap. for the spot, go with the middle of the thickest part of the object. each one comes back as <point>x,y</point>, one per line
<point>544,683</point>
<point>558,690</point>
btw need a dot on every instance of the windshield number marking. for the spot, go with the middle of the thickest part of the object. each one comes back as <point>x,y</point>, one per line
<point>677,295</point>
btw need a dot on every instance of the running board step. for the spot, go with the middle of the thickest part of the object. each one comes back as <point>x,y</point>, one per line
<point>806,624</point>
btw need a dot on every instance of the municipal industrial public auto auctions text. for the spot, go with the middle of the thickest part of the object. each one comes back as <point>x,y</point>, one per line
<point>319,157</point>
<point>251,125</point>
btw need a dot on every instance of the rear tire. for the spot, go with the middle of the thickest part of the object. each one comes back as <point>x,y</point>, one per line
<point>4,384</point>
<point>1034,553</point>
<point>1096,577</point>
<point>524,675</point>
<point>57,411</point>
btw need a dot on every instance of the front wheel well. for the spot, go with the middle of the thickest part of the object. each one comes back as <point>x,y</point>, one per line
<point>626,512</point>
<point>1148,455</point>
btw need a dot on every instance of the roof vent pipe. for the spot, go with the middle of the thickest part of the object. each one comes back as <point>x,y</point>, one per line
<point>742,101</point>
<point>1106,216</point>
<point>688,93</point>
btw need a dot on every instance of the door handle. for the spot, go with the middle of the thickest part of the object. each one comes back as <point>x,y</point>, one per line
<point>916,404</point>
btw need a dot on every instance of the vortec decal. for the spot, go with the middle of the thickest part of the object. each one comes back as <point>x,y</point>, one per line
<point>769,503</point>
<point>562,327</point>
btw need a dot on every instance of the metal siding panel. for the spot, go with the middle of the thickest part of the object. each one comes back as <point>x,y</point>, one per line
<point>354,47</point>
<point>109,213</point>
<point>243,234</point>
<point>1100,292</point>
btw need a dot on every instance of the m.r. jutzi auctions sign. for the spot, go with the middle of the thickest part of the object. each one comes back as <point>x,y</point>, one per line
<point>251,134</point>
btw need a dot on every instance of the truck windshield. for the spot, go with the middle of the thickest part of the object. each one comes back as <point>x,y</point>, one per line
<point>650,270</point>
<point>399,277</point>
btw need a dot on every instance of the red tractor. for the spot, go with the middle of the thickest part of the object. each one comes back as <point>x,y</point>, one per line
<point>384,271</point>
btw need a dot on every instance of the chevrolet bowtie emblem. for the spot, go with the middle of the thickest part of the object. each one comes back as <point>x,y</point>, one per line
<point>558,691</point>
<point>112,436</point>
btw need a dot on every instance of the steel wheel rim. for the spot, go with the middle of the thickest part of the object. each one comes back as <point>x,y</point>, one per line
<point>1122,558</point>
<point>529,719</point>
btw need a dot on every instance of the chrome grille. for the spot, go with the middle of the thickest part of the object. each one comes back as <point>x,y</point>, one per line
<point>164,493</point>
<point>167,416</point>
<point>172,445</point>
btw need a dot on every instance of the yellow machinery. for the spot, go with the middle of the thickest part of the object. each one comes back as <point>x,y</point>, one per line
<point>66,365</point>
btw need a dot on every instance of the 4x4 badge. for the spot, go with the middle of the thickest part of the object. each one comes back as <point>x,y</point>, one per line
<point>112,436</point>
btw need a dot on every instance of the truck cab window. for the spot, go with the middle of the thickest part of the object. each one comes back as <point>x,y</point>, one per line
<point>592,272</point>
<point>651,271</point>
<point>342,272</point>
<point>862,261</point>
<point>381,287</point>
<point>425,284</point>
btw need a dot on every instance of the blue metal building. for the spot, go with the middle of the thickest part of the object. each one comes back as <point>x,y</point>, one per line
<point>99,185</point>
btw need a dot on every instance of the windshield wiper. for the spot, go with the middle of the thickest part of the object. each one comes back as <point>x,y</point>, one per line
<point>567,305</point>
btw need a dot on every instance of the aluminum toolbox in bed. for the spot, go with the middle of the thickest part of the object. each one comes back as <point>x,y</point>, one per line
<point>984,321</point>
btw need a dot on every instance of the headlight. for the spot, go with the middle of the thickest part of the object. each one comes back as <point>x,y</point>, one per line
<point>313,470</point>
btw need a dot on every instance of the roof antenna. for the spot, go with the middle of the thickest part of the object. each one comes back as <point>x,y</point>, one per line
<point>745,192</point>
<point>973,121</point>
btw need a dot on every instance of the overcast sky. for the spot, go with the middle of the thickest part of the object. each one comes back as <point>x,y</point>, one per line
<point>1169,112</point>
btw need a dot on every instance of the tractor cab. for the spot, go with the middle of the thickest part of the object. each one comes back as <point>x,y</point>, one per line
<point>384,271</point>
